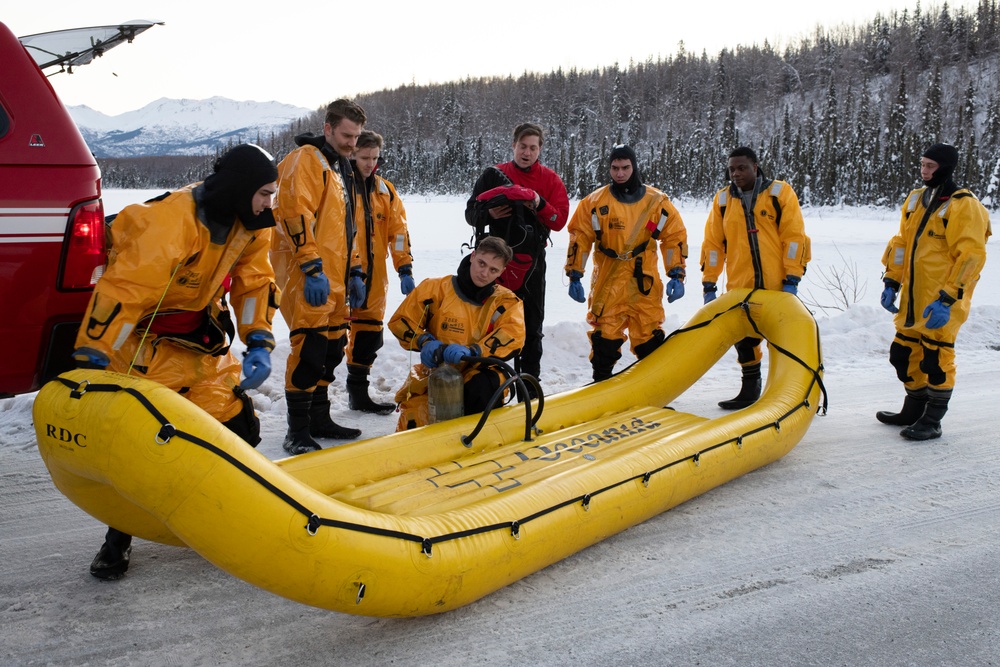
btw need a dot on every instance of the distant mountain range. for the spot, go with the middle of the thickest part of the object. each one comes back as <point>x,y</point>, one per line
<point>182,127</point>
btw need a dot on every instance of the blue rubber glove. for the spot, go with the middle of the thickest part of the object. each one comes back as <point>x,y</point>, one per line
<point>317,289</point>
<point>454,352</point>
<point>87,357</point>
<point>256,367</point>
<point>257,359</point>
<point>710,292</point>
<point>430,351</point>
<point>889,296</point>
<point>937,313</point>
<point>406,283</point>
<point>790,284</point>
<point>356,290</point>
<point>675,287</point>
<point>576,287</point>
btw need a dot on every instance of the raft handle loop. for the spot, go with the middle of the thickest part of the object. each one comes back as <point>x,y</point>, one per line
<point>361,593</point>
<point>777,426</point>
<point>645,479</point>
<point>696,458</point>
<point>166,432</point>
<point>739,442</point>
<point>586,503</point>
<point>312,527</point>
<point>426,547</point>
<point>515,529</point>
<point>80,390</point>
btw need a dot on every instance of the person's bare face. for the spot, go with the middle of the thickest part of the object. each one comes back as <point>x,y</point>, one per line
<point>927,168</point>
<point>485,268</point>
<point>367,160</point>
<point>264,198</point>
<point>621,170</point>
<point>526,151</point>
<point>343,137</point>
<point>742,172</point>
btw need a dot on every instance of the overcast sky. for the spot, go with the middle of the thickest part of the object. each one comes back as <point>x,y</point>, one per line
<point>308,53</point>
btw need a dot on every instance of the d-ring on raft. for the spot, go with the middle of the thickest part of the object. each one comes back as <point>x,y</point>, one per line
<point>418,522</point>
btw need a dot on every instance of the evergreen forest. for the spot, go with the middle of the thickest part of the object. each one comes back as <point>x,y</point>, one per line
<point>842,114</point>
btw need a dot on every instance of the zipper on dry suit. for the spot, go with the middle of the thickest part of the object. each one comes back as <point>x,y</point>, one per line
<point>758,270</point>
<point>935,203</point>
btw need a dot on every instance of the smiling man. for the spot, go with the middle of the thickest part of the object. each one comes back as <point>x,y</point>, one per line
<point>452,318</point>
<point>528,202</point>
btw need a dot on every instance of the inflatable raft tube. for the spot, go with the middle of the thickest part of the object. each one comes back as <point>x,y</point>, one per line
<point>420,522</point>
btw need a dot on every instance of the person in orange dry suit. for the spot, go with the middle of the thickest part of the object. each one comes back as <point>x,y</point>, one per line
<point>318,270</point>
<point>625,220</point>
<point>449,318</point>
<point>160,309</point>
<point>933,263</point>
<point>756,231</point>
<point>381,224</point>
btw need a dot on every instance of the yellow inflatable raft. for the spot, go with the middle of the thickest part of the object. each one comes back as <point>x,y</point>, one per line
<point>420,522</point>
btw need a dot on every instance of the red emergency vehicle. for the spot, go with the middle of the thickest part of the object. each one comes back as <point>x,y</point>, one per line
<point>52,247</point>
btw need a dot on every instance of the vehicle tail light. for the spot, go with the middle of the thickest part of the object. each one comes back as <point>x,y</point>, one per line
<point>84,255</point>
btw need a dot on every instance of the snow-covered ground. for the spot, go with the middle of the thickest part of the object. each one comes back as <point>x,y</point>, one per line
<point>856,548</point>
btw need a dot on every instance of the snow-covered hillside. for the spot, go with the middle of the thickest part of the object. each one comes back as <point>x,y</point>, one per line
<point>182,127</point>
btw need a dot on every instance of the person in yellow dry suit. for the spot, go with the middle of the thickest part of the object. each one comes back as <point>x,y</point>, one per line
<point>933,263</point>
<point>318,270</point>
<point>756,231</point>
<point>381,224</point>
<point>160,310</point>
<point>449,318</point>
<point>625,220</point>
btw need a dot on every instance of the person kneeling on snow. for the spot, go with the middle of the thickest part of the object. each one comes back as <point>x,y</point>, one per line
<point>934,263</point>
<point>447,319</point>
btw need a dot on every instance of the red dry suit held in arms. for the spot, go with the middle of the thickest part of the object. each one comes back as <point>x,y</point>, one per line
<point>526,230</point>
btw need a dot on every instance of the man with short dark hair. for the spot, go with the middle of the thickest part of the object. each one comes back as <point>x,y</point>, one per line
<point>756,232</point>
<point>522,202</point>
<point>933,262</point>
<point>454,317</point>
<point>625,221</point>
<point>319,270</point>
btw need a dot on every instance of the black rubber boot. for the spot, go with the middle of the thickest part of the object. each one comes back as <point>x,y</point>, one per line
<point>111,561</point>
<point>604,354</point>
<point>913,408</point>
<point>298,440</point>
<point>320,423</point>
<point>928,427</point>
<point>357,392</point>
<point>749,392</point>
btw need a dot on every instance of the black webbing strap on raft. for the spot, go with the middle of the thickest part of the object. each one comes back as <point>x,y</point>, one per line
<point>168,431</point>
